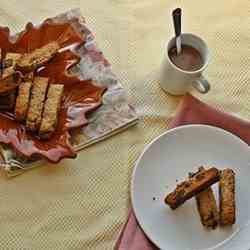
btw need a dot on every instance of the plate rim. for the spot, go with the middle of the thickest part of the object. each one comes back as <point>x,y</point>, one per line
<point>145,149</point>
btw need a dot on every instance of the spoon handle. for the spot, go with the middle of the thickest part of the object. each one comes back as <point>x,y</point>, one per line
<point>177,21</point>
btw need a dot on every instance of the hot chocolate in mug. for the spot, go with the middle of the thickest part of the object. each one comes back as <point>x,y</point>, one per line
<point>180,73</point>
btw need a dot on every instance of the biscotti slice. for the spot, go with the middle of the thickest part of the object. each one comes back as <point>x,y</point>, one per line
<point>191,187</point>
<point>22,100</point>
<point>9,63</point>
<point>38,94</point>
<point>30,61</point>
<point>51,108</point>
<point>207,208</point>
<point>227,197</point>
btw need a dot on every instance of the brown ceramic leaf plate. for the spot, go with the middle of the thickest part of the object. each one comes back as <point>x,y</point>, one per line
<point>79,97</point>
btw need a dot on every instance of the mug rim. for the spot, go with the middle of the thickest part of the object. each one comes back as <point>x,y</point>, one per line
<point>186,71</point>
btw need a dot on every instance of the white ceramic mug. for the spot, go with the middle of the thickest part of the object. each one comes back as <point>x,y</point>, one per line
<point>177,81</point>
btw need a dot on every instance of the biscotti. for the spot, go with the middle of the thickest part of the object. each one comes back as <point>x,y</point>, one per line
<point>207,207</point>
<point>32,100</point>
<point>191,187</point>
<point>227,197</point>
<point>31,61</point>
<point>38,94</point>
<point>51,109</point>
<point>22,100</point>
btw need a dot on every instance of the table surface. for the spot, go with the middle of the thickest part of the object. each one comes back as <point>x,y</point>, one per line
<point>83,203</point>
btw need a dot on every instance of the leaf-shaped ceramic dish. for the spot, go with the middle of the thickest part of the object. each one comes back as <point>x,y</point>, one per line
<point>79,97</point>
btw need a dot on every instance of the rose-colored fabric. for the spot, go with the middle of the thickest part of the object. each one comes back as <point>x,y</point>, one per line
<point>132,237</point>
<point>193,111</point>
<point>190,111</point>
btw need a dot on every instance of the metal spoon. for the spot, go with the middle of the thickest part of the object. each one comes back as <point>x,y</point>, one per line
<point>177,27</point>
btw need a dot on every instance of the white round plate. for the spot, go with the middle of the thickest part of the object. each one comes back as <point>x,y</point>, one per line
<point>168,159</point>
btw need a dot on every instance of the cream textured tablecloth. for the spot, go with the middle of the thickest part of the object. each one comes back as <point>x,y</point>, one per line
<point>83,203</point>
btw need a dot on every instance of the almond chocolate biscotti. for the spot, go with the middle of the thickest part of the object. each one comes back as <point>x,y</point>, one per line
<point>191,187</point>
<point>227,197</point>
<point>207,208</point>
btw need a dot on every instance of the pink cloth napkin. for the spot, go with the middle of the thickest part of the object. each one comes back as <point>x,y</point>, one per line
<point>190,111</point>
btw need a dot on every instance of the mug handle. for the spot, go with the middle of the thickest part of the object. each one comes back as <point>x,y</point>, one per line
<point>202,85</point>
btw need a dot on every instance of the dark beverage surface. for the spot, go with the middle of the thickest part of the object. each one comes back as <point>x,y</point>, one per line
<point>189,59</point>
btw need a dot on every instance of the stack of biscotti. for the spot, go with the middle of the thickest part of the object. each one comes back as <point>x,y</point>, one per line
<point>9,82</point>
<point>35,102</point>
<point>38,104</point>
<point>198,185</point>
